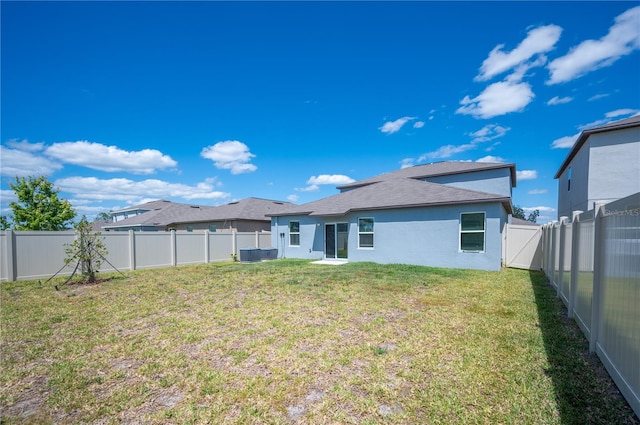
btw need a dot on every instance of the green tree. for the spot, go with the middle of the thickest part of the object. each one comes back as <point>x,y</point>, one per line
<point>103,216</point>
<point>518,212</point>
<point>88,249</point>
<point>38,206</point>
<point>4,223</point>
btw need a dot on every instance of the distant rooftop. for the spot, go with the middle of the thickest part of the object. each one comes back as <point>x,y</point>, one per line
<point>434,170</point>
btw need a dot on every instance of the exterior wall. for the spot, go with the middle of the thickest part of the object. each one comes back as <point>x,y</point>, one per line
<point>420,236</point>
<point>614,165</point>
<point>227,226</point>
<point>490,181</point>
<point>311,237</point>
<point>576,198</point>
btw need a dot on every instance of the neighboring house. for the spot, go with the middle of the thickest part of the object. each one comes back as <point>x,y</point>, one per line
<point>246,215</point>
<point>603,165</point>
<point>446,214</point>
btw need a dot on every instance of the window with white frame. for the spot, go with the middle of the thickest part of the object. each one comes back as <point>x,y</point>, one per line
<point>365,233</point>
<point>472,229</point>
<point>294,233</point>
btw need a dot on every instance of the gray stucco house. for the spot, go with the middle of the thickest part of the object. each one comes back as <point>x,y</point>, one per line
<point>446,214</point>
<point>603,165</point>
<point>246,215</point>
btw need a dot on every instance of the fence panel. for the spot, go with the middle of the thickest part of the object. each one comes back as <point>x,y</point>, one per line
<point>117,244</point>
<point>246,240</point>
<point>619,334</point>
<point>584,286</point>
<point>153,250</point>
<point>264,240</point>
<point>5,246</point>
<point>565,264</point>
<point>190,247</point>
<point>36,256</point>
<point>221,246</point>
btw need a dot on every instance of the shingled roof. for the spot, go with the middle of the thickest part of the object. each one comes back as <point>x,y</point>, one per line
<point>174,213</point>
<point>435,169</point>
<point>393,194</point>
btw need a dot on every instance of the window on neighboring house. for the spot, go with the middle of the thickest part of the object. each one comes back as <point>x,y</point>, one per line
<point>212,227</point>
<point>569,179</point>
<point>365,233</point>
<point>472,227</point>
<point>189,228</point>
<point>294,233</point>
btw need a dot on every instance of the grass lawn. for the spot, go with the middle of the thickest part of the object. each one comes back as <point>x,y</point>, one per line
<point>287,341</point>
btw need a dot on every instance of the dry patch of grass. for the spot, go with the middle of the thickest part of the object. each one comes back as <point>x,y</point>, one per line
<point>290,342</point>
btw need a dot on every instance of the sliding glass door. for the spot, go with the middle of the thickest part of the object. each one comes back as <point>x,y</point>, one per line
<point>336,240</point>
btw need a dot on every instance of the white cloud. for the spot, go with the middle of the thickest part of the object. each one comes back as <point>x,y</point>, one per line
<point>490,158</point>
<point>391,127</point>
<point>25,146</point>
<point>497,99</point>
<point>121,189</point>
<point>559,100</point>
<point>418,124</point>
<point>230,155</point>
<point>488,132</point>
<point>335,179</point>
<point>565,142</point>
<point>109,158</point>
<point>590,55</point>
<point>620,112</point>
<point>446,151</point>
<point>22,163</point>
<point>485,134</point>
<point>293,198</point>
<point>537,192</point>
<point>610,117</point>
<point>332,179</point>
<point>598,97</point>
<point>526,175</point>
<point>541,209</point>
<point>539,40</point>
<point>407,162</point>
<point>310,188</point>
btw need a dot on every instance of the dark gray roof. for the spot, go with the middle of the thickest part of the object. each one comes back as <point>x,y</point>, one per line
<point>434,170</point>
<point>393,194</point>
<point>616,125</point>
<point>176,213</point>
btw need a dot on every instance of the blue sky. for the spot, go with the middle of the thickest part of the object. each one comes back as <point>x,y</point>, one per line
<point>119,103</point>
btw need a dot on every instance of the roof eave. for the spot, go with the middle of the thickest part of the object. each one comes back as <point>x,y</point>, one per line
<point>583,138</point>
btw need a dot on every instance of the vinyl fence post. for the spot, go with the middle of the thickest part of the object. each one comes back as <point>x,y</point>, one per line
<point>10,255</point>
<point>598,274</point>
<point>206,246</point>
<point>561,248</point>
<point>257,240</point>
<point>552,251</point>
<point>173,248</point>
<point>234,243</point>
<point>132,250</point>
<point>575,261</point>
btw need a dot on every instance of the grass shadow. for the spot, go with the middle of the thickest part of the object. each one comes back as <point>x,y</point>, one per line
<point>584,392</point>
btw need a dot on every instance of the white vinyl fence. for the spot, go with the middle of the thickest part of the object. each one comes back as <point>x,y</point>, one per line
<point>593,261</point>
<point>37,255</point>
